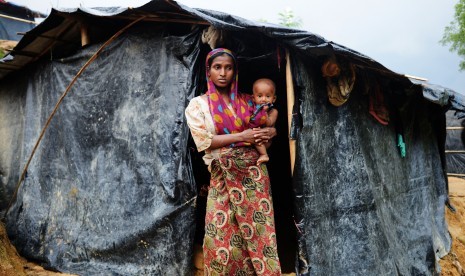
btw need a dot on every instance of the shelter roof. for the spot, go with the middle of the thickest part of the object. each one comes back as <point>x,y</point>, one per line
<point>18,11</point>
<point>60,33</point>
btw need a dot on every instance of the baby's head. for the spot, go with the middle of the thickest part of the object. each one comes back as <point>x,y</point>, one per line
<point>264,91</point>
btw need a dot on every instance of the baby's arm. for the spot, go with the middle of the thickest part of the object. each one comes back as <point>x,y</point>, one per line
<point>272,117</point>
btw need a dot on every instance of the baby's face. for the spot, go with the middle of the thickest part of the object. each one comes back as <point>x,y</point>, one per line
<point>263,94</point>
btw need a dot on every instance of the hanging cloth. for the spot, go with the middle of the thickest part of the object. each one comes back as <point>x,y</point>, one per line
<point>340,80</point>
<point>377,106</point>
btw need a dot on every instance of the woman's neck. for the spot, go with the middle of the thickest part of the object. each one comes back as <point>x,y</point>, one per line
<point>224,92</point>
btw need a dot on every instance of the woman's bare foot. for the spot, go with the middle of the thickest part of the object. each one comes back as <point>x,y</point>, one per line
<point>262,159</point>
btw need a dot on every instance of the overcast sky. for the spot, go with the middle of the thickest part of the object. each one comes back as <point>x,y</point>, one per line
<point>403,35</point>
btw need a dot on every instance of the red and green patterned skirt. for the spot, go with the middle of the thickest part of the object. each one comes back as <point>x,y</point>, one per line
<point>240,234</point>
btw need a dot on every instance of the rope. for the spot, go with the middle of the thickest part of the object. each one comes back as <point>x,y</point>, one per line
<point>91,59</point>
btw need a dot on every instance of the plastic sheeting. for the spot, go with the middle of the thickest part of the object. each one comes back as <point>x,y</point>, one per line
<point>108,191</point>
<point>62,25</point>
<point>9,29</point>
<point>365,210</point>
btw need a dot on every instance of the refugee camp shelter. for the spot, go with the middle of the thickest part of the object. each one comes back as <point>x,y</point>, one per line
<point>14,20</point>
<point>455,145</point>
<point>115,184</point>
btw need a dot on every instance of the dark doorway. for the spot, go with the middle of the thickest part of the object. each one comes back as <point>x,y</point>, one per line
<point>271,66</point>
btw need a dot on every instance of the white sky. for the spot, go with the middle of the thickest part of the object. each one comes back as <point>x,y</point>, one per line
<point>403,35</point>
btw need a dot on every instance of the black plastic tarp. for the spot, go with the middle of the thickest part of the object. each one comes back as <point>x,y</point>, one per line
<point>62,32</point>
<point>366,210</point>
<point>111,188</point>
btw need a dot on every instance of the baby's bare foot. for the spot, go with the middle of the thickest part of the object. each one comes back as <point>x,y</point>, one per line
<point>262,159</point>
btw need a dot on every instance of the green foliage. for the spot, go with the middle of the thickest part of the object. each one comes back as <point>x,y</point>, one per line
<point>288,19</point>
<point>454,34</point>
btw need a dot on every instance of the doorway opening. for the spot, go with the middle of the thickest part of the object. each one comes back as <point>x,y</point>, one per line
<point>272,66</point>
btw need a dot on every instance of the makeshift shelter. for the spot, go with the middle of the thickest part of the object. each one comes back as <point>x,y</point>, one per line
<point>455,145</point>
<point>14,20</point>
<point>113,187</point>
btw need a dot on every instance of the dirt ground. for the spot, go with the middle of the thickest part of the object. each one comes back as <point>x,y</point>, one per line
<point>6,46</point>
<point>11,264</point>
<point>454,263</point>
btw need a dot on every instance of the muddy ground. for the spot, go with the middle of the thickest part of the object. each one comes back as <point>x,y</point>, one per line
<point>11,264</point>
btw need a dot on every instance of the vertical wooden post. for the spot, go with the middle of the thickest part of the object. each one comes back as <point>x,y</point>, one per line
<point>84,35</point>
<point>290,106</point>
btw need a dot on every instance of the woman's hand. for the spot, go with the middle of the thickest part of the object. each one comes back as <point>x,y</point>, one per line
<point>256,136</point>
<point>263,135</point>
<point>248,136</point>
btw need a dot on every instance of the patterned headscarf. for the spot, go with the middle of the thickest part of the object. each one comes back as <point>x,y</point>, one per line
<point>225,121</point>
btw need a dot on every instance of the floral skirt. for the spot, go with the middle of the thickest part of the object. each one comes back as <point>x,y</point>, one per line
<point>240,236</point>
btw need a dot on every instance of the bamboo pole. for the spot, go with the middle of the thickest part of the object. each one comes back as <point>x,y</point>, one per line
<point>415,77</point>
<point>290,106</point>
<point>48,37</point>
<point>456,174</point>
<point>84,35</point>
<point>455,151</point>
<point>455,128</point>
<point>18,19</point>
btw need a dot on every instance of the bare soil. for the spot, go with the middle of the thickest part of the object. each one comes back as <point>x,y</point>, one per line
<point>11,264</point>
<point>453,264</point>
<point>6,46</point>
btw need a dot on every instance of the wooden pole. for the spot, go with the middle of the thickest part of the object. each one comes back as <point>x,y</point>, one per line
<point>290,106</point>
<point>18,19</point>
<point>84,35</point>
<point>456,174</point>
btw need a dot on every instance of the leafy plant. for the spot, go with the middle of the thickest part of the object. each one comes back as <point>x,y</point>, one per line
<point>288,19</point>
<point>454,34</point>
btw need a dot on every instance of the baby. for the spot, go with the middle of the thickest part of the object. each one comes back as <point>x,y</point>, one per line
<point>264,95</point>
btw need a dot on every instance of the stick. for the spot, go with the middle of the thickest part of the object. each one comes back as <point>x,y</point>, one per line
<point>19,19</point>
<point>456,174</point>
<point>84,35</point>
<point>290,106</point>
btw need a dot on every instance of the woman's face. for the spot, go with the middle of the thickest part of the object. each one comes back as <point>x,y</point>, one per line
<point>221,72</point>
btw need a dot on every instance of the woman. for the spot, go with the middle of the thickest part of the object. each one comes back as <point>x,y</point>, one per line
<point>240,235</point>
